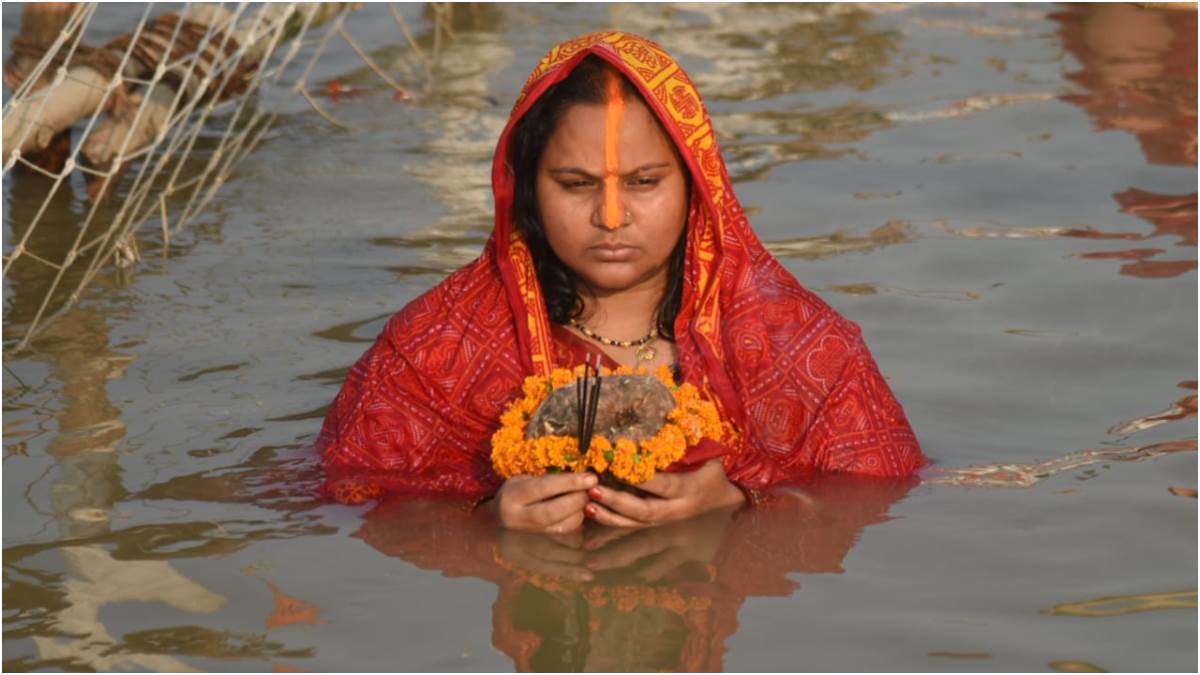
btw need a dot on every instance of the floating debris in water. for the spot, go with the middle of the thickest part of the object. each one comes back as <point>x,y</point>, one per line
<point>970,106</point>
<point>950,158</point>
<point>1028,332</point>
<point>996,231</point>
<point>891,232</point>
<point>1028,475</point>
<point>1119,605</point>
<point>974,28</point>
<point>960,655</point>
<point>1076,667</point>
<point>89,515</point>
<point>868,288</point>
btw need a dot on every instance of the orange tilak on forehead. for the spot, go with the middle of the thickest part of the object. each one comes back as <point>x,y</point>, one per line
<point>612,132</point>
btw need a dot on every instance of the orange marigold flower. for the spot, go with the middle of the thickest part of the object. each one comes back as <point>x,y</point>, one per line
<point>561,377</point>
<point>515,416</point>
<point>599,454</point>
<point>666,447</point>
<point>622,464</point>
<point>535,388</point>
<point>686,393</point>
<point>664,375</point>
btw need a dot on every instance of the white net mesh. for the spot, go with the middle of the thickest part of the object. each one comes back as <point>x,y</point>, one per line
<point>152,122</point>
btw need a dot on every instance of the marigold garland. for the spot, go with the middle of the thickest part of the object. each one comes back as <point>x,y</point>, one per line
<point>693,419</point>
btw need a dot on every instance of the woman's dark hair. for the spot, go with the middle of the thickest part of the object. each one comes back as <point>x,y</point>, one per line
<point>587,84</point>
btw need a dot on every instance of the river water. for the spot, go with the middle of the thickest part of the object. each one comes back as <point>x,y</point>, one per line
<point>1002,196</point>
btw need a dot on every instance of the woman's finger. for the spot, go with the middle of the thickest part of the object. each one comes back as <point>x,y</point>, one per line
<point>646,510</point>
<point>541,488</point>
<point>571,523</point>
<point>552,511</point>
<point>606,516</point>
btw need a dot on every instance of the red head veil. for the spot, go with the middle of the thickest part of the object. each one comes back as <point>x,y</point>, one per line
<point>418,409</point>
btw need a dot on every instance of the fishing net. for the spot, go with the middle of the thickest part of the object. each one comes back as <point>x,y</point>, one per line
<point>147,125</point>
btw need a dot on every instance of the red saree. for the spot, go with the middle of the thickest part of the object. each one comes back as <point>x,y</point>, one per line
<point>417,411</point>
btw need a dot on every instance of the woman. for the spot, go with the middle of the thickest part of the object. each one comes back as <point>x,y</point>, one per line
<point>617,235</point>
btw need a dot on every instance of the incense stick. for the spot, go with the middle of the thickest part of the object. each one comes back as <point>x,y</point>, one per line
<point>579,399</point>
<point>593,393</point>
<point>587,398</point>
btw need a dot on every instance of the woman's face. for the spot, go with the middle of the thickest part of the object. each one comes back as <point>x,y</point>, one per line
<point>650,198</point>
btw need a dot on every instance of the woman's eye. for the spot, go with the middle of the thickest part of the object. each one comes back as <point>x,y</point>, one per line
<point>644,182</point>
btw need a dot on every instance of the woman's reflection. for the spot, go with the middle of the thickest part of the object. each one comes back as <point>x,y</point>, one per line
<point>663,598</point>
<point>1139,76</point>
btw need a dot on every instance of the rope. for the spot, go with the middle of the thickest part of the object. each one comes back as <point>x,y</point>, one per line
<point>128,117</point>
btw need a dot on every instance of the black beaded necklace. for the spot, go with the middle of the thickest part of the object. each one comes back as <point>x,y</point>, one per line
<point>645,351</point>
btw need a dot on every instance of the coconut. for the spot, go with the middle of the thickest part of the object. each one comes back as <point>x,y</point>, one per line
<point>630,406</point>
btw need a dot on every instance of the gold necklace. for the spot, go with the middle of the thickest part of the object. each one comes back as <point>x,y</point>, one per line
<point>645,351</point>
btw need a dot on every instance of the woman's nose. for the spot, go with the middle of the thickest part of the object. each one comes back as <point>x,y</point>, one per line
<point>611,213</point>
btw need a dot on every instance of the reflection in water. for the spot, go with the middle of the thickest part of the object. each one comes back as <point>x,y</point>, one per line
<point>1171,215</point>
<point>289,610</point>
<point>456,160</point>
<point>98,579</point>
<point>1139,76</point>
<point>87,483</point>
<point>761,52</point>
<point>63,612</point>
<point>663,598</point>
<point>1181,409</point>
<point>209,643</point>
<point>89,425</point>
<point>1127,604</point>
<point>103,567</point>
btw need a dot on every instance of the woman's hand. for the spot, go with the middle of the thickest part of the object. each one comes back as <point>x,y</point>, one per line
<point>652,553</point>
<point>552,504</point>
<point>675,496</point>
<point>556,555</point>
